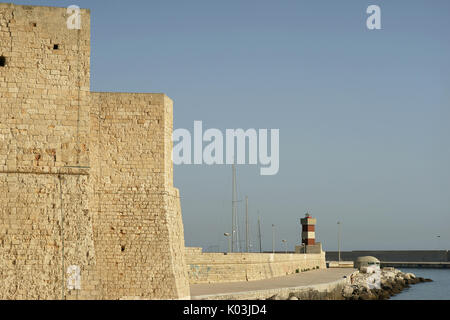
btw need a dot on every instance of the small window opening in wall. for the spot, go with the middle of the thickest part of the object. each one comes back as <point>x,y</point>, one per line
<point>34,24</point>
<point>2,61</point>
<point>56,47</point>
<point>122,248</point>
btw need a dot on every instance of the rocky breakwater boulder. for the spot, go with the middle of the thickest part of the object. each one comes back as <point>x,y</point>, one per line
<point>387,283</point>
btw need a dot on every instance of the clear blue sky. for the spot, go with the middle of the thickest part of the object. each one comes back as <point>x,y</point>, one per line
<point>363,115</point>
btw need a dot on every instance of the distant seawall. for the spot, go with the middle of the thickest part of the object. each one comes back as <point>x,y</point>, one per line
<point>393,256</point>
<point>233,267</point>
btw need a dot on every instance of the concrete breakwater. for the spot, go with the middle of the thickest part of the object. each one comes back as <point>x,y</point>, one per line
<point>392,282</point>
<point>422,265</point>
<point>393,255</point>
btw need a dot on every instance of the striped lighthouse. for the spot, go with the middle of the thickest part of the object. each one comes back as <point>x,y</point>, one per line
<point>308,230</point>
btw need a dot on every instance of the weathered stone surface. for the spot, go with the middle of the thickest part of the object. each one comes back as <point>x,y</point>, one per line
<point>86,179</point>
<point>219,267</point>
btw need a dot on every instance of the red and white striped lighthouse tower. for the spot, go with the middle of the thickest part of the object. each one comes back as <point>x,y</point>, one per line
<point>308,230</point>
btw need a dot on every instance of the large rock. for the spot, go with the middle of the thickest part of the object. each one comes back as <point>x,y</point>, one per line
<point>367,296</point>
<point>283,296</point>
<point>384,295</point>
<point>388,274</point>
<point>410,276</point>
<point>347,292</point>
<point>386,284</point>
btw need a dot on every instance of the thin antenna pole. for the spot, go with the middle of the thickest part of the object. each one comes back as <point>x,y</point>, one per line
<point>273,238</point>
<point>238,238</point>
<point>339,241</point>
<point>246,224</point>
<point>259,233</point>
<point>233,211</point>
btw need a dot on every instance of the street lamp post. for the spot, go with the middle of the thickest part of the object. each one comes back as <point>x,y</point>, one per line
<point>273,238</point>
<point>226,234</point>
<point>285,244</point>
<point>339,241</point>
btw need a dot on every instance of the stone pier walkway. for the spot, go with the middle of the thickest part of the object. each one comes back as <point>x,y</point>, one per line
<point>322,280</point>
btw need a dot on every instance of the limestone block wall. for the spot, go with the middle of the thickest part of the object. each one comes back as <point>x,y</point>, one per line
<point>138,230</point>
<point>231,267</point>
<point>45,227</point>
<point>45,223</point>
<point>86,179</point>
<point>44,92</point>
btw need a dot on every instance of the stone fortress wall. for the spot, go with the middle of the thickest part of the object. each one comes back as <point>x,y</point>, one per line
<point>86,178</point>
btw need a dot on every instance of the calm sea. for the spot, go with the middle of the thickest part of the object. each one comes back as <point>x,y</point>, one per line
<point>439,289</point>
